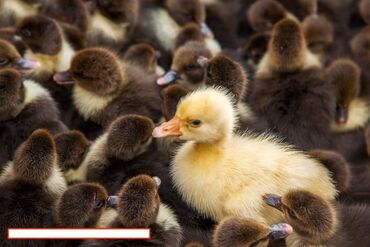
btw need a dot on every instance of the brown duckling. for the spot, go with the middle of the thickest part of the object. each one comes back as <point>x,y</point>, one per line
<point>105,88</point>
<point>138,205</point>
<point>24,107</point>
<point>72,146</point>
<point>317,222</point>
<point>10,58</point>
<point>81,205</point>
<point>235,231</point>
<point>289,91</point>
<point>29,187</point>
<point>255,48</point>
<point>144,56</point>
<point>8,34</point>
<point>185,68</point>
<point>189,32</point>
<point>171,96</point>
<point>112,23</point>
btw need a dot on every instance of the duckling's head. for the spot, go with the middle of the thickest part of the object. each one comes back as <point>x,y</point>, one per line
<point>344,74</point>
<point>35,159</point>
<point>71,147</point>
<point>12,93</point>
<point>287,47</point>
<point>96,70</point>
<point>185,67</point>
<point>263,14</point>
<point>142,55</point>
<point>204,116</point>
<point>81,205</point>
<point>124,12</point>
<point>73,12</point>
<point>171,97</point>
<point>189,32</point>
<point>129,136</point>
<point>235,231</point>
<point>360,43</point>
<point>312,217</point>
<point>256,47</point>
<point>138,201</point>
<point>184,11</point>
<point>223,71</point>
<point>10,58</point>
<point>319,33</point>
<point>364,8</point>
<point>41,34</point>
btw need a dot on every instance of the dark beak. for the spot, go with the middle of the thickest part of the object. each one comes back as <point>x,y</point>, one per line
<point>202,61</point>
<point>168,78</point>
<point>273,201</point>
<point>112,201</point>
<point>280,231</point>
<point>157,181</point>
<point>25,64</point>
<point>206,31</point>
<point>63,78</point>
<point>341,115</point>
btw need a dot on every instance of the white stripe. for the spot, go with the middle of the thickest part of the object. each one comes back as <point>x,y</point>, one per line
<point>97,233</point>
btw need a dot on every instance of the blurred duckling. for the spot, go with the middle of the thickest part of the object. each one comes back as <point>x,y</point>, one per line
<point>11,11</point>
<point>206,119</point>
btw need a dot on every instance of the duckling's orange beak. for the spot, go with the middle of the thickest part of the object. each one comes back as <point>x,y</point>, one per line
<point>170,128</point>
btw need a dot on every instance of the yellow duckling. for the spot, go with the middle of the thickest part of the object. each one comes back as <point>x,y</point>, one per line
<point>225,174</point>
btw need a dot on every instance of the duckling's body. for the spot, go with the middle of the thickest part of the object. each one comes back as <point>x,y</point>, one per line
<point>250,165</point>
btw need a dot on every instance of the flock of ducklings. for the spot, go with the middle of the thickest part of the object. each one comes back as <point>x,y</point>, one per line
<point>214,123</point>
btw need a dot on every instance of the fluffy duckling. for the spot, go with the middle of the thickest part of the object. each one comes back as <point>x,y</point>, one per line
<point>104,88</point>
<point>316,222</point>
<point>255,48</point>
<point>185,68</point>
<point>72,146</point>
<point>263,14</point>
<point>12,11</point>
<point>24,107</point>
<point>81,205</point>
<point>289,91</point>
<point>138,205</point>
<point>235,231</point>
<point>10,58</point>
<point>29,187</point>
<point>364,7</point>
<point>206,120</point>
<point>112,23</point>
<point>145,56</point>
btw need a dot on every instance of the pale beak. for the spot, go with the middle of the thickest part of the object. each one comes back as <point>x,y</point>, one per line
<point>25,64</point>
<point>273,201</point>
<point>170,128</point>
<point>206,31</point>
<point>63,78</point>
<point>168,78</point>
<point>112,201</point>
<point>280,231</point>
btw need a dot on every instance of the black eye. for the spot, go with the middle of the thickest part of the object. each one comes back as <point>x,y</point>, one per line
<point>292,214</point>
<point>100,204</point>
<point>26,33</point>
<point>3,61</point>
<point>191,66</point>
<point>196,123</point>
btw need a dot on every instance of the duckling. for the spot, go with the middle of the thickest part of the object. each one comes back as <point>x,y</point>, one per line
<point>317,222</point>
<point>112,23</point>
<point>263,14</point>
<point>29,187</point>
<point>364,7</point>
<point>145,56</point>
<point>105,88</point>
<point>14,10</point>
<point>81,205</point>
<point>235,231</point>
<point>138,205</point>
<point>10,58</point>
<point>289,91</point>
<point>72,146</point>
<point>8,34</point>
<point>185,68</point>
<point>189,32</point>
<point>25,106</point>
<point>206,119</point>
<point>255,48</point>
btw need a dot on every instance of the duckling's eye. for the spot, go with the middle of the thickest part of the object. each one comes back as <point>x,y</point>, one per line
<point>195,123</point>
<point>191,66</point>
<point>3,61</point>
<point>26,33</point>
<point>100,204</point>
<point>291,214</point>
